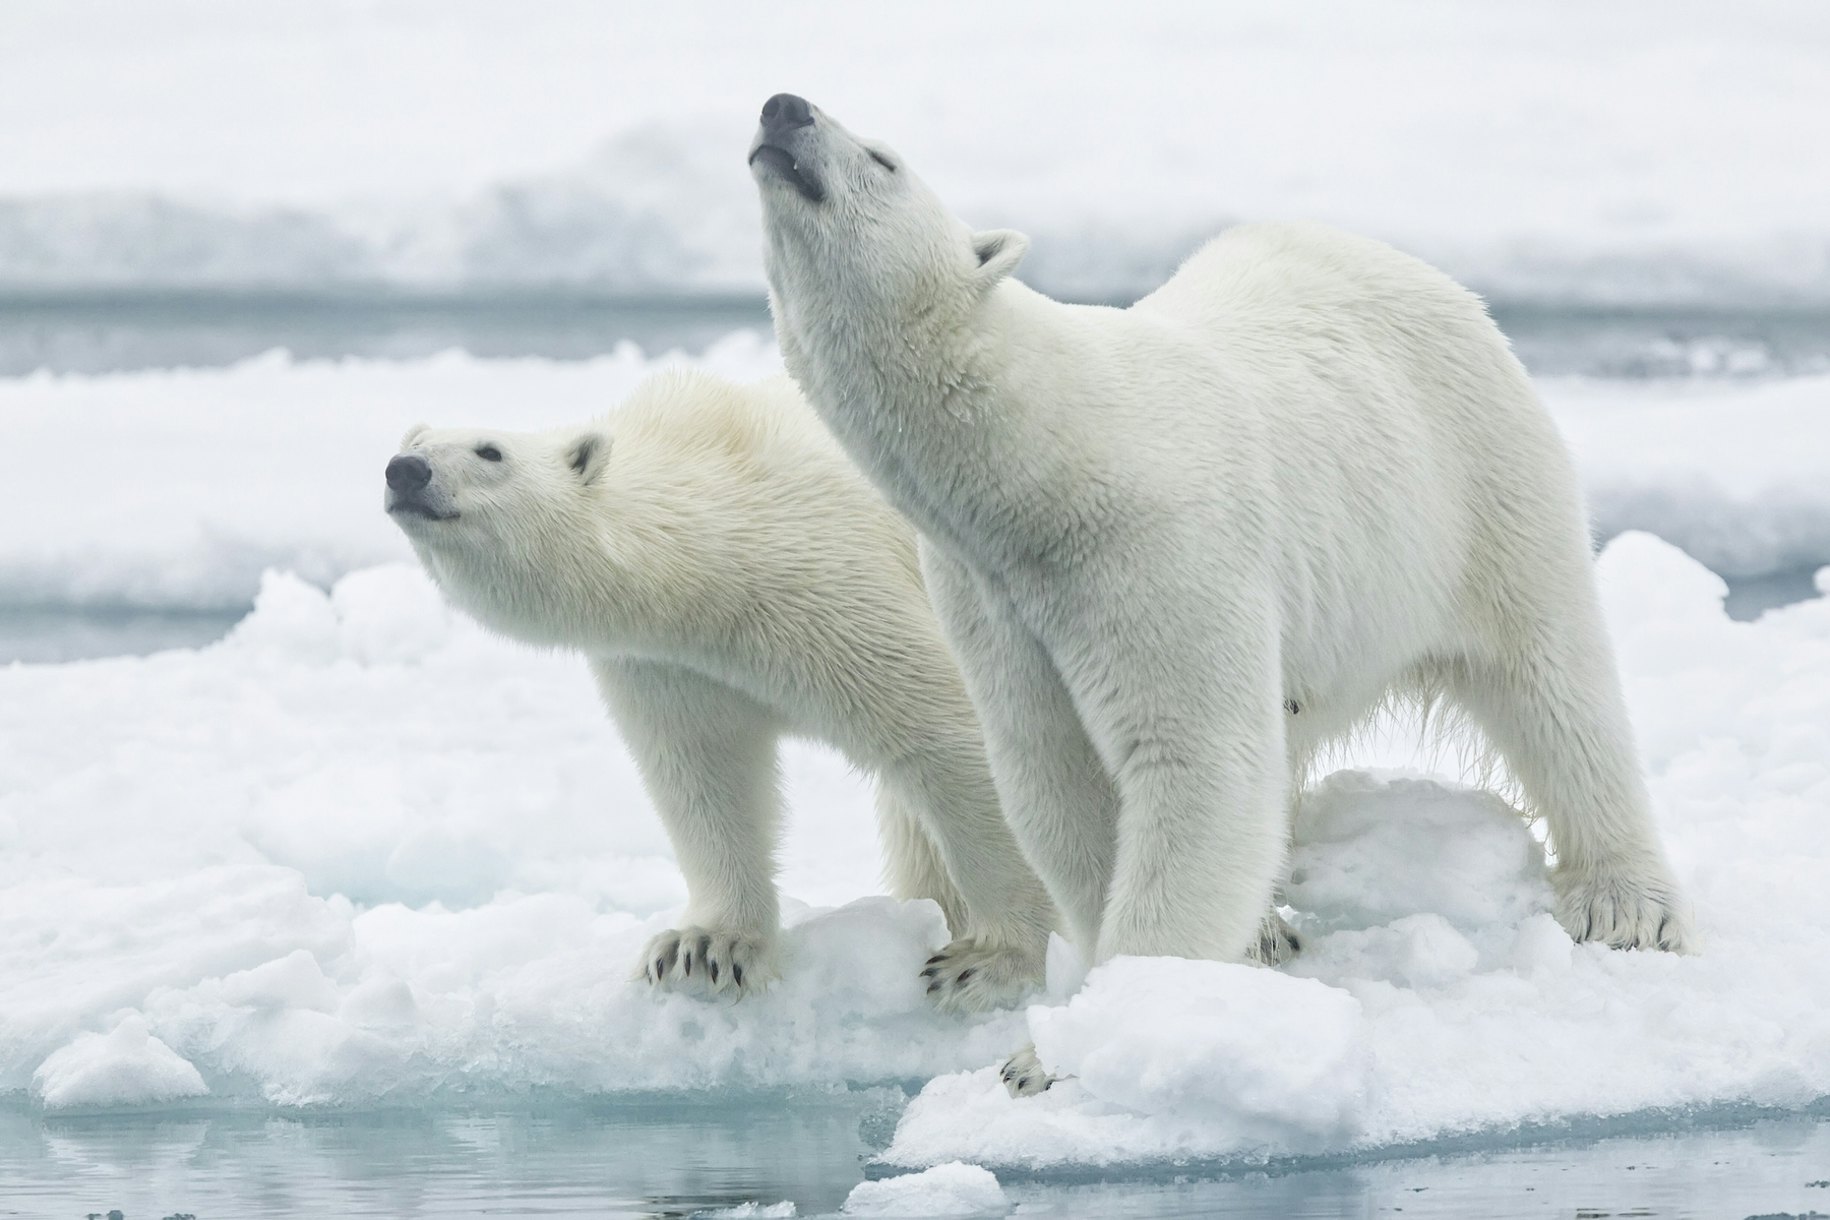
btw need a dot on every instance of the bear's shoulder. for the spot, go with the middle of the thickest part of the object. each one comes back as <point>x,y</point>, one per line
<point>690,411</point>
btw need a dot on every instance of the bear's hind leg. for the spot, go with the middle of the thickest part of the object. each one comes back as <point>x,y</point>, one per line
<point>1001,914</point>
<point>1545,692</point>
<point>912,863</point>
<point>967,974</point>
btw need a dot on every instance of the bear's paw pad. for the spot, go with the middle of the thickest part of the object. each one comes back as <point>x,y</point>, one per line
<point>709,961</point>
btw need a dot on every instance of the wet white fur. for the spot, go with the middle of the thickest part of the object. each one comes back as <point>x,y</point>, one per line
<point>1307,473</point>
<point>732,579</point>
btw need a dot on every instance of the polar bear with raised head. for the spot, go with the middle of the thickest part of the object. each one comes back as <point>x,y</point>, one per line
<point>1177,547</point>
<point>732,579</point>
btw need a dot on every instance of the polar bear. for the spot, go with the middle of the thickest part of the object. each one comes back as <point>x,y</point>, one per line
<point>731,578</point>
<point>1179,546</point>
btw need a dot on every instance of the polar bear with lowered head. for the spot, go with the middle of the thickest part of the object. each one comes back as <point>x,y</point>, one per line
<point>731,579</point>
<point>1179,546</point>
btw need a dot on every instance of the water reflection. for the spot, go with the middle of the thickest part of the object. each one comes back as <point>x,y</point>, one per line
<point>648,1161</point>
<point>680,1160</point>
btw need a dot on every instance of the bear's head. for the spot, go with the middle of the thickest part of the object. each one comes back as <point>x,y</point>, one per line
<point>850,226</point>
<point>490,510</point>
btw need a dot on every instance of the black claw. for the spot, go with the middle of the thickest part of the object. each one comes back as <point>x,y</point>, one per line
<point>938,957</point>
<point>930,972</point>
<point>737,974</point>
<point>1023,1083</point>
<point>933,987</point>
<point>660,968</point>
<point>965,974</point>
<point>713,967</point>
<point>689,965</point>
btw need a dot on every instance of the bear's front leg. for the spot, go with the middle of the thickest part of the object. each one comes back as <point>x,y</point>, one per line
<point>1177,677</point>
<point>707,756</point>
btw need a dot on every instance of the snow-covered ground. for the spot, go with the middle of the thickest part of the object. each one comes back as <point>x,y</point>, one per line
<point>1645,150</point>
<point>176,489</point>
<point>360,853</point>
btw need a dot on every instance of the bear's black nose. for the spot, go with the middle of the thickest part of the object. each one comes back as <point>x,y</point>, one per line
<point>408,472</point>
<point>785,112</point>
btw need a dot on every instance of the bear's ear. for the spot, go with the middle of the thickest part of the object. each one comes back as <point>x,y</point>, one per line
<point>413,434</point>
<point>998,251</point>
<point>587,454</point>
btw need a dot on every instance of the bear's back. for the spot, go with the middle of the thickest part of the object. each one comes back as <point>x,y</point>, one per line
<point>1285,278</point>
<point>750,465</point>
<point>687,411</point>
<point>1306,318</point>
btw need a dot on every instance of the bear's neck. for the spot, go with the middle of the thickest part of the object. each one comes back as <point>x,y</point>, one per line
<point>922,400</point>
<point>577,597</point>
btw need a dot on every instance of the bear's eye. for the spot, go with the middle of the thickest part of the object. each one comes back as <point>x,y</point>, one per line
<point>882,160</point>
<point>489,453</point>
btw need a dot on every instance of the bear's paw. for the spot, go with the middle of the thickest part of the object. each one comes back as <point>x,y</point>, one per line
<point>1277,942</point>
<point>1623,909</point>
<point>709,961</point>
<point>1024,1075</point>
<point>973,975</point>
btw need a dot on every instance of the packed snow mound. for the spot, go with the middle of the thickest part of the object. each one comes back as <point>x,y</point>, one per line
<point>1233,1046</point>
<point>1564,151</point>
<point>1435,995</point>
<point>952,1189</point>
<point>276,463</point>
<point>124,1067</point>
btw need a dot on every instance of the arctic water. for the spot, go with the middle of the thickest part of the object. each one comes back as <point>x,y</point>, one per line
<point>677,1161</point>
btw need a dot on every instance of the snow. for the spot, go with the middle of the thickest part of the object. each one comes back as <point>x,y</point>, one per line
<point>1642,151</point>
<point>361,853</point>
<point>125,1065</point>
<point>1435,996</point>
<point>785,1210</point>
<point>276,463</point>
<point>952,1189</point>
